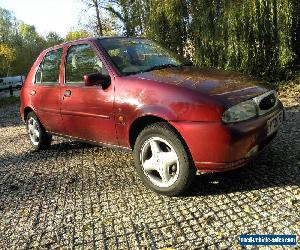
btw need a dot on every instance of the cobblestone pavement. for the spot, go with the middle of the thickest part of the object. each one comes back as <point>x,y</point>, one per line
<point>80,196</point>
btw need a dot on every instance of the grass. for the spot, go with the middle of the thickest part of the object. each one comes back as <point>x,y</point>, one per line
<point>9,100</point>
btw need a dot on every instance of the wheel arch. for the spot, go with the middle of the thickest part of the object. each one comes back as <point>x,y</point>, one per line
<point>142,122</point>
<point>26,111</point>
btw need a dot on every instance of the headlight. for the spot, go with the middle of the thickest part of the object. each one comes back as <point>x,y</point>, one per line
<point>240,112</point>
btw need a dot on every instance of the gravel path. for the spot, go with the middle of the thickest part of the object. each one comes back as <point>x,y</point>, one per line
<point>80,196</point>
<point>6,93</point>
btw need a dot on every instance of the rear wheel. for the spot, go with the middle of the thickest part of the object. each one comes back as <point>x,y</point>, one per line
<point>38,136</point>
<point>162,160</point>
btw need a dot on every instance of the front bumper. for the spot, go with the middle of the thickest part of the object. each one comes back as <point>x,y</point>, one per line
<point>218,147</point>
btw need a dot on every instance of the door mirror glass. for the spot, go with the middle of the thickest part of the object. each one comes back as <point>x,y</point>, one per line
<point>96,79</point>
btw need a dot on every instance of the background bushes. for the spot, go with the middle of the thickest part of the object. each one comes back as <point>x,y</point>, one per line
<point>259,37</point>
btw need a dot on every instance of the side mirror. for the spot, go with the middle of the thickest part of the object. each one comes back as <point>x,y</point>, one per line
<point>96,79</point>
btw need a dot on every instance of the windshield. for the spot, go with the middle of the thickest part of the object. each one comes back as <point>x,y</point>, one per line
<point>133,56</point>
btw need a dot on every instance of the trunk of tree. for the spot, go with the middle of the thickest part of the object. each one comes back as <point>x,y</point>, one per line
<point>99,23</point>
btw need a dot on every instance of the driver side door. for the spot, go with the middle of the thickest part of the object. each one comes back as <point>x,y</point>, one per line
<point>87,111</point>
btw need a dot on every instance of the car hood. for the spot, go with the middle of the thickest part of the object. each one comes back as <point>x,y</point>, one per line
<point>228,87</point>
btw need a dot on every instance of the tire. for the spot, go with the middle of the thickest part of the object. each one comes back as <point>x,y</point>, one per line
<point>163,161</point>
<point>37,134</point>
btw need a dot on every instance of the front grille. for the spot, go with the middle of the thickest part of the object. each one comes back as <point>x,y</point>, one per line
<point>268,102</point>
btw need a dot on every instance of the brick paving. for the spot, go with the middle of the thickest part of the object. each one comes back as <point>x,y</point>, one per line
<point>78,196</point>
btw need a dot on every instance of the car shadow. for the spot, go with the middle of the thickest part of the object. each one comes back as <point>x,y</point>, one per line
<point>52,152</point>
<point>255,176</point>
<point>32,174</point>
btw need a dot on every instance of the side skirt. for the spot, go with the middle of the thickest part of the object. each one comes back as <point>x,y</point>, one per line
<point>107,145</point>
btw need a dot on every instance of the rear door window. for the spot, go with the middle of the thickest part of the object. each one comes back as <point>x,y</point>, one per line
<point>48,72</point>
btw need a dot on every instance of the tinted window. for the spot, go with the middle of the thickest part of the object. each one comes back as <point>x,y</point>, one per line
<point>82,60</point>
<point>48,72</point>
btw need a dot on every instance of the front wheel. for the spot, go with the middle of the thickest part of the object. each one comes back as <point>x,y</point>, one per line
<point>38,136</point>
<point>162,160</point>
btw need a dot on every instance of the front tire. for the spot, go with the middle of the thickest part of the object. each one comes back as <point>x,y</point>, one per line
<point>163,161</point>
<point>37,134</point>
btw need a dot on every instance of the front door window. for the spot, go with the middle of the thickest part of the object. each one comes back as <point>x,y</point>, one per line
<point>82,60</point>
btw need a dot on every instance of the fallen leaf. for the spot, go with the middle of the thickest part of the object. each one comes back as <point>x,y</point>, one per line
<point>246,208</point>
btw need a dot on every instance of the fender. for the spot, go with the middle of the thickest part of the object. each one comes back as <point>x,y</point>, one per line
<point>154,112</point>
<point>158,111</point>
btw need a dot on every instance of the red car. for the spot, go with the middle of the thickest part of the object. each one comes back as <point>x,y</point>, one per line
<point>131,93</point>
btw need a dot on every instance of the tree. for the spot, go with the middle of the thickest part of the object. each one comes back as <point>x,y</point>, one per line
<point>296,31</point>
<point>53,39</point>
<point>30,44</point>
<point>8,26</point>
<point>132,13</point>
<point>253,36</point>
<point>167,23</point>
<point>95,4</point>
<point>20,44</point>
<point>7,56</point>
<point>101,23</point>
<point>77,34</point>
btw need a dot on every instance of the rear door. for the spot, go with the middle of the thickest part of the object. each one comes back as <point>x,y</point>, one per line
<point>87,112</point>
<point>45,92</point>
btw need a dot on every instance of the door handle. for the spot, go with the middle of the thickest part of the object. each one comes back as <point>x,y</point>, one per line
<point>67,93</point>
<point>32,92</point>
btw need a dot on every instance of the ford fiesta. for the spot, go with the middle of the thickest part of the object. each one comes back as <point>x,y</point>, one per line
<point>131,93</point>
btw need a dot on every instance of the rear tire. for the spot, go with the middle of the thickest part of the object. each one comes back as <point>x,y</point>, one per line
<point>163,161</point>
<point>37,134</point>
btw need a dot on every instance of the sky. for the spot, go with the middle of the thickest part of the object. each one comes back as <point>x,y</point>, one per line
<point>47,15</point>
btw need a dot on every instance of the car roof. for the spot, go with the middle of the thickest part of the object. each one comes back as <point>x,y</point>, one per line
<point>89,39</point>
<point>95,39</point>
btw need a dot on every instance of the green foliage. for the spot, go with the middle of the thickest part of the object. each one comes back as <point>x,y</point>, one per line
<point>20,45</point>
<point>28,44</point>
<point>77,34</point>
<point>53,39</point>
<point>253,36</point>
<point>167,23</point>
<point>99,23</point>
<point>132,13</point>
<point>259,37</point>
<point>7,56</point>
<point>7,26</point>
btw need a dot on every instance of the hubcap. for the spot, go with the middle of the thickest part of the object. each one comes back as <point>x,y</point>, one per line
<point>159,162</point>
<point>33,131</point>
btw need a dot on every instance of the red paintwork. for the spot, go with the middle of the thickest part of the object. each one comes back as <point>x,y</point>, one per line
<point>191,100</point>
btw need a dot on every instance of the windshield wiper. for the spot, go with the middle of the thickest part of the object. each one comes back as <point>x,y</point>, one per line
<point>157,67</point>
<point>163,66</point>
